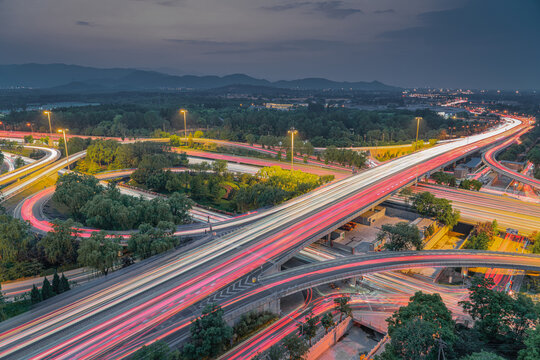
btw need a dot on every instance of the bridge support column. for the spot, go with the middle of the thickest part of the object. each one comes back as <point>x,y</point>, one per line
<point>275,306</point>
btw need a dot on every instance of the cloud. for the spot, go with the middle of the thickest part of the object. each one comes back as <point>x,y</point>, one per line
<point>331,9</point>
<point>300,45</point>
<point>84,23</point>
<point>285,7</point>
<point>334,10</point>
<point>171,3</point>
<point>210,47</point>
<point>168,3</point>
<point>202,42</point>
<point>387,11</point>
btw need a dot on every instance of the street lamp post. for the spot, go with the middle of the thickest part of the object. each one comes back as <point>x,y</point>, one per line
<point>31,127</point>
<point>48,113</point>
<point>2,123</point>
<point>63,131</point>
<point>185,127</point>
<point>293,131</point>
<point>418,118</point>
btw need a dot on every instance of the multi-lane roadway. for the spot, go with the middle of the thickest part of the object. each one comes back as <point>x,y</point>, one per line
<point>490,159</point>
<point>477,207</point>
<point>51,155</point>
<point>113,319</point>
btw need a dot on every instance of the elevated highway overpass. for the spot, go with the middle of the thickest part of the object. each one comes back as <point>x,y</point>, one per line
<point>111,320</point>
<point>489,157</point>
<point>51,155</point>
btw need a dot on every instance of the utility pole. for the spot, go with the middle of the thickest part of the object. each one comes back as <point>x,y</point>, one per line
<point>63,131</point>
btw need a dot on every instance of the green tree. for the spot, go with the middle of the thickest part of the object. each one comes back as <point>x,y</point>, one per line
<point>210,335</point>
<point>35,295</point>
<point>56,283</point>
<point>74,191</point>
<point>180,205</point>
<point>250,323</point>
<point>64,283</point>
<point>46,290</point>
<point>401,236</point>
<point>19,162</point>
<point>418,329</point>
<point>484,355</point>
<point>219,166</point>
<point>427,204</point>
<point>59,244</point>
<point>159,350</point>
<point>99,252</point>
<point>15,238</point>
<point>150,241</point>
<point>342,305</point>
<point>500,319</point>
<point>250,139</point>
<point>296,346</point>
<point>413,340</point>
<point>532,345</point>
<point>327,321</point>
<point>309,327</point>
<point>406,192</point>
<point>478,242</point>
<point>276,352</point>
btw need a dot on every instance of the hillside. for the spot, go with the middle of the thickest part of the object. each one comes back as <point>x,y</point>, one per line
<point>74,78</point>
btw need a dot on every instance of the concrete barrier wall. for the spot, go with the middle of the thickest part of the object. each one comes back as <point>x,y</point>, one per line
<point>329,340</point>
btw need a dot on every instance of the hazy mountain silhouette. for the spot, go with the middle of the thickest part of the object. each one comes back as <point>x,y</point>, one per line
<point>74,78</point>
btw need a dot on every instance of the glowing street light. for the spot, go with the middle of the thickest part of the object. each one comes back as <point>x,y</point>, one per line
<point>63,131</point>
<point>2,123</point>
<point>418,118</point>
<point>30,126</point>
<point>48,113</point>
<point>293,132</point>
<point>183,111</point>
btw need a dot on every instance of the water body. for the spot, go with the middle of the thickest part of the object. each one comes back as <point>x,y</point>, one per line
<point>56,105</point>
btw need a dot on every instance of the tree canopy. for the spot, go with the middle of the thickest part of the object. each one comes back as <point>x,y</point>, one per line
<point>427,204</point>
<point>401,236</point>
<point>99,252</point>
<point>210,335</point>
<point>419,329</point>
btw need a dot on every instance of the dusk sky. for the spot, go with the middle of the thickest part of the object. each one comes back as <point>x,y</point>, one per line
<point>441,43</point>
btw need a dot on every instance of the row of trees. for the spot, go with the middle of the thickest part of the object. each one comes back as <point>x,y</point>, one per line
<point>338,127</point>
<point>106,208</point>
<point>227,191</point>
<point>321,126</point>
<point>121,120</point>
<point>442,177</point>
<point>504,327</point>
<point>110,154</point>
<point>344,157</point>
<point>48,290</point>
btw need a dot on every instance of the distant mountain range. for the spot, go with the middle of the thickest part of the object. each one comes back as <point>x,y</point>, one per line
<point>74,78</point>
